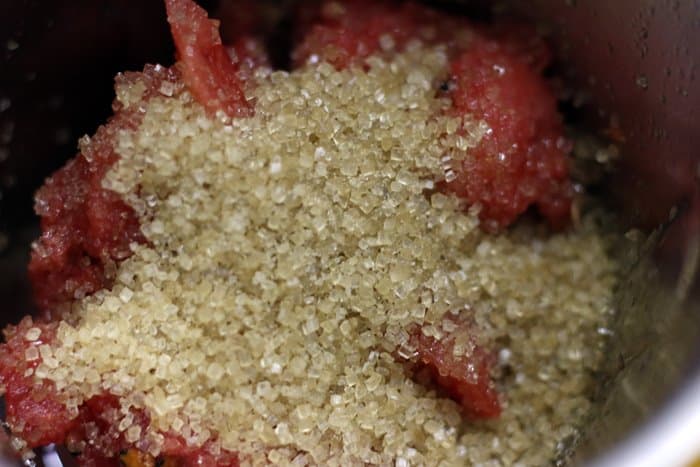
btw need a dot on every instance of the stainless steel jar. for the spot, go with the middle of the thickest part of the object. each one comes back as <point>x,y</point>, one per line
<point>635,66</point>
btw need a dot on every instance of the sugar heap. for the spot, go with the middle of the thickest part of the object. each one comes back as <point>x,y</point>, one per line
<point>289,252</point>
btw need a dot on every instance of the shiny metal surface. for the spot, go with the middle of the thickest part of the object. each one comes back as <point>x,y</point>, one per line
<point>634,61</point>
<point>637,62</point>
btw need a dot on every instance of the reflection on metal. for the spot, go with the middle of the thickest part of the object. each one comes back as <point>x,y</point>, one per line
<point>689,270</point>
<point>657,336</point>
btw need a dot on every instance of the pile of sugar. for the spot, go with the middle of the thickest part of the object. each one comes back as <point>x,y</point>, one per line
<point>288,254</point>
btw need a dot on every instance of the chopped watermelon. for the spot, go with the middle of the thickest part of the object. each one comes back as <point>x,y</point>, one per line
<point>32,408</point>
<point>521,161</point>
<point>345,33</point>
<point>85,227</point>
<point>207,69</point>
<point>463,376</point>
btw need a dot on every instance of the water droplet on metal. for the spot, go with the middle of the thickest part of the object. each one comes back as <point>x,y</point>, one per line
<point>642,81</point>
